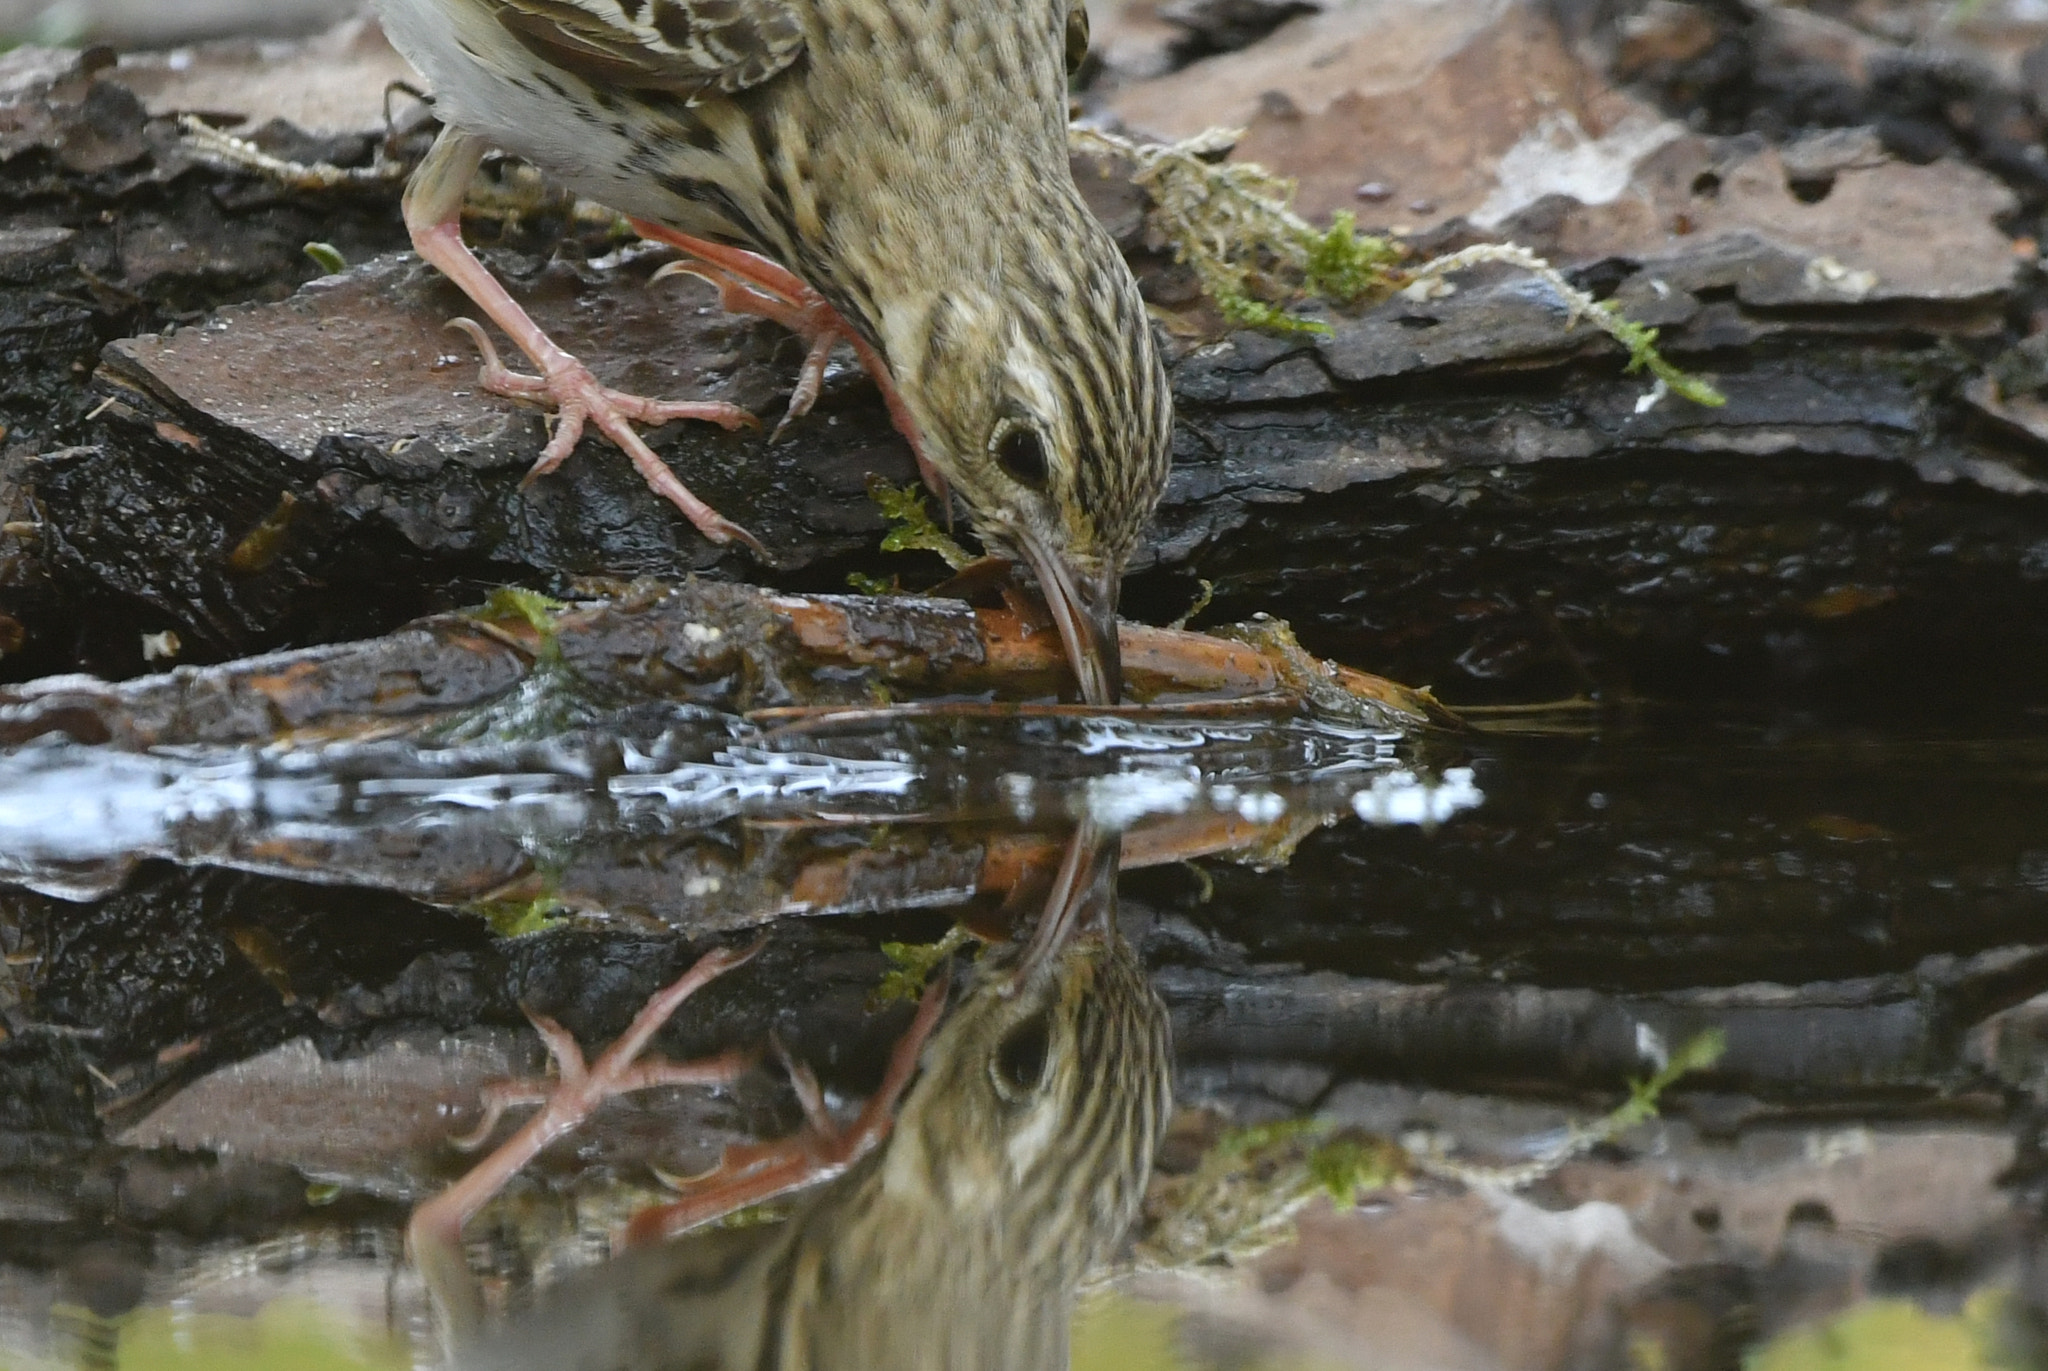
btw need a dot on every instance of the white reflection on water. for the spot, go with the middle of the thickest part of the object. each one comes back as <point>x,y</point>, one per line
<point>737,775</point>
<point>1120,800</point>
<point>1101,736</point>
<point>72,815</point>
<point>1402,797</point>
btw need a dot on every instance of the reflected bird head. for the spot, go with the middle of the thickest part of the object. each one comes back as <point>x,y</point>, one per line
<point>1043,1095</point>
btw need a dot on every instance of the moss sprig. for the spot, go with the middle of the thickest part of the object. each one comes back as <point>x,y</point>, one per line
<point>1243,1196</point>
<point>1234,225</point>
<point>1697,1053</point>
<point>911,526</point>
<point>518,918</point>
<point>515,604</point>
<point>1640,340</point>
<point>911,968</point>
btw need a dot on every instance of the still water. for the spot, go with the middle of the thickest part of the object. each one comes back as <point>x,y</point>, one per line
<point>1143,1041</point>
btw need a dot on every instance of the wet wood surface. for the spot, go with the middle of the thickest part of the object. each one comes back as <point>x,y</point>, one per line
<point>293,473</point>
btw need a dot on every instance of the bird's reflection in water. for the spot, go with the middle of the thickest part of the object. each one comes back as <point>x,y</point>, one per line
<point>1016,1161</point>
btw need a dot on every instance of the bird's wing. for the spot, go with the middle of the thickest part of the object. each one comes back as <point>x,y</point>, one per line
<point>684,46</point>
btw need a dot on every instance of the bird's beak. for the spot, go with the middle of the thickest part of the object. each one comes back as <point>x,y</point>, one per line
<point>1083,605</point>
<point>1082,901</point>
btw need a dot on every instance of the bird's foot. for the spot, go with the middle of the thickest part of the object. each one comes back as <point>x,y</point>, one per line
<point>787,301</point>
<point>567,1100</point>
<point>578,399</point>
<point>753,1174</point>
<point>749,283</point>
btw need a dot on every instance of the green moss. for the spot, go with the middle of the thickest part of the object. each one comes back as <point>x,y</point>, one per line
<point>1346,1166</point>
<point>1233,225</point>
<point>1338,1162</point>
<point>1641,342</point>
<point>862,583</point>
<point>911,528</point>
<point>511,604</point>
<point>913,966</point>
<point>1344,265</point>
<point>1696,1054</point>
<point>1243,1196</point>
<point>517,918</point>
<point>1246,312</point>
<point>1203,599</point>
<point>327,257</point>
<point>552,699</point>
<point>1259,1137</point>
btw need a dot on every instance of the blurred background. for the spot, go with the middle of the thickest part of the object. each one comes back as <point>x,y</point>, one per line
<point>144,23</point>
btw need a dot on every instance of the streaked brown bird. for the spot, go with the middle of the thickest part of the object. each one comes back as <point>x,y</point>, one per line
<point>891,173</point>
<point>952,1242</point>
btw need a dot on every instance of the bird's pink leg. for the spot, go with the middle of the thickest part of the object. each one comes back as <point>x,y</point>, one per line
<point>433,216</point>
<point>434,1234</point>
<point>753,1175</point>
<point>749,283</point>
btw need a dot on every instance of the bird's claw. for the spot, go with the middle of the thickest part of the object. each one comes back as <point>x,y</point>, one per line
<point>755,1173</point>
<point>808,317</point>
<point>579,399</point>
<point>622,1069</point>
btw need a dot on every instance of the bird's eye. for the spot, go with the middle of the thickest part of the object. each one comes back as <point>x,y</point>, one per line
<point>1021,454</point>
<point>1019,1064</point>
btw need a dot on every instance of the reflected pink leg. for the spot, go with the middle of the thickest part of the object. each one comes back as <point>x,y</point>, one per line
<point>754,1175</point>
<point>434,1235</point>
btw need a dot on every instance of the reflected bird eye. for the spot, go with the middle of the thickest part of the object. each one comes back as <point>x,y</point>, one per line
<point>1020,1061</point>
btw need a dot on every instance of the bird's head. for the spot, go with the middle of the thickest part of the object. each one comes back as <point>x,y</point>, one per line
<point>1038,394</point>
<point>1042,1095</point>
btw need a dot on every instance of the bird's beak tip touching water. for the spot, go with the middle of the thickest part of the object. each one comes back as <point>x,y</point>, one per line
<point>1082,900</point>
<point>1083,605</point>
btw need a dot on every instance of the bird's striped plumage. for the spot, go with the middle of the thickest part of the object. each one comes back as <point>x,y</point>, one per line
<point>684,47</point>
<point>907,159</point>
<point>1017,1161</point>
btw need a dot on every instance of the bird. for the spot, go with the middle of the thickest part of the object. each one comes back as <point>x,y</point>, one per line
<point>955,1240</point>
<point>892,174</point>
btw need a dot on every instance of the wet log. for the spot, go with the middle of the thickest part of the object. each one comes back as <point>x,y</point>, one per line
<point>189,970</point>
<point>514,702</point>
<point>728,647</point>
<point>717,838</point>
